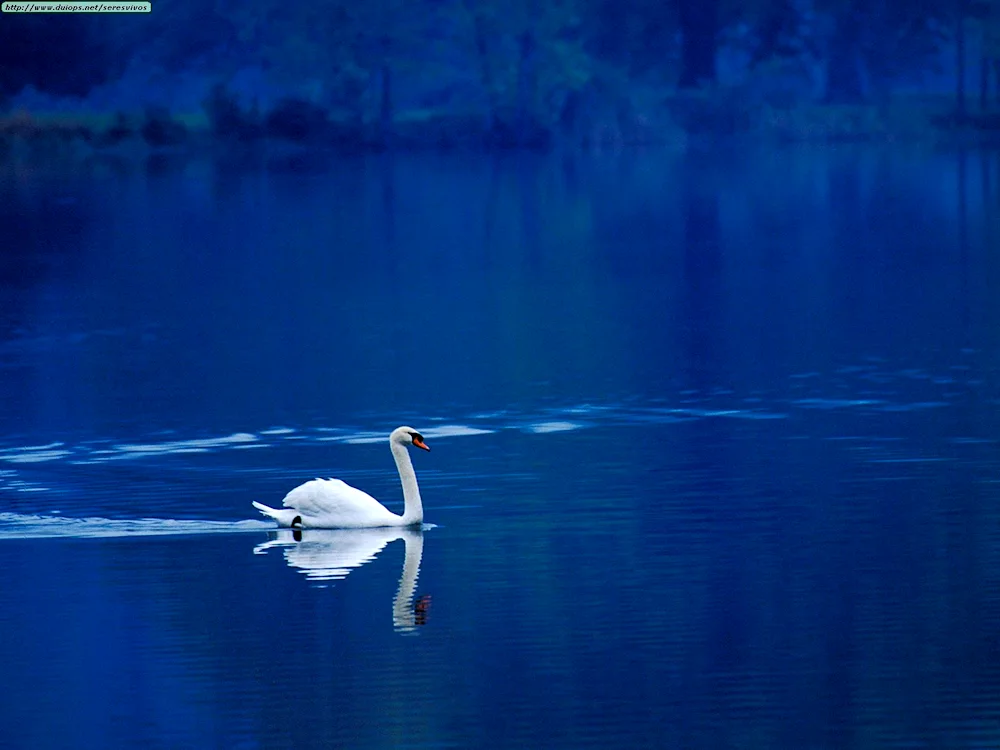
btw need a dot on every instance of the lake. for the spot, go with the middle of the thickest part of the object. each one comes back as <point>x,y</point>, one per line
<point>714,450</point>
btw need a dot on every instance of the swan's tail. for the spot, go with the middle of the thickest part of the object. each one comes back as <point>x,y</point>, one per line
<point>265,509</point>
<point>284,516</point>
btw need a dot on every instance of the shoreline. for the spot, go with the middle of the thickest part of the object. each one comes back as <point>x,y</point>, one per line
<point>683,121</point>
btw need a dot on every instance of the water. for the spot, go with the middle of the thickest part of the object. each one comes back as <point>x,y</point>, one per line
<point>714,451</point>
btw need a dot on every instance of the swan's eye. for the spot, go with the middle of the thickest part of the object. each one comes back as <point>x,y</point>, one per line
<point>414,436</point>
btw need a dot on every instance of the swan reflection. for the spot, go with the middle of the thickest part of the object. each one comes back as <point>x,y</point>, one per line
<point>331,554</point>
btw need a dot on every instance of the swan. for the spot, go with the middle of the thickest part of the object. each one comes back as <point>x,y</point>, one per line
<point>334,504</point>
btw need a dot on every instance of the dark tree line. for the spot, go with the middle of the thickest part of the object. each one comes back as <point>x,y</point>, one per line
<point>518,63</point>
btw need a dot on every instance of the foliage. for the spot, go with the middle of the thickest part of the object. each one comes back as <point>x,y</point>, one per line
<point>832,123</point>
<point>297,120</point>
<point>517,72</point>
<point>60,54</point>
<point>988,15</point>
<point>159,129</point>
<point>228,118</point>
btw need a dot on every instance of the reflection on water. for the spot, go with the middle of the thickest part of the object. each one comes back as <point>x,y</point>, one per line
<point>331,554</point>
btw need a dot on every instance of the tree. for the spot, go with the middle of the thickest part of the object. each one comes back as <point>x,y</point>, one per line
<point>846,77</point>
<point>961,14</point>
<point>59,54</point>
<point>699,26</point>
<point>777,30</point>
<point>633,35</point>
<point>531,56</point>
<point>988,13</point>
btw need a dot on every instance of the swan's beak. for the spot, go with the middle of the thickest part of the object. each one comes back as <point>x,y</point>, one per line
<point>420,444</point>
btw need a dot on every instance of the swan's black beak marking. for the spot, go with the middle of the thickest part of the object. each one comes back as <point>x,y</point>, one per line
<point>418,440</point>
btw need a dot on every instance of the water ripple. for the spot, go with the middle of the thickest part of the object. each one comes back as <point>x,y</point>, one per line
<point>178,446</point>
<point>21,526</point>
<point>29,456</point>
<point>680,407</point>
<point>544,427</point>
<point>835,403</point>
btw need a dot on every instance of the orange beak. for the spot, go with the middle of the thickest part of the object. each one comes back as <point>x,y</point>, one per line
<point>420,444</point>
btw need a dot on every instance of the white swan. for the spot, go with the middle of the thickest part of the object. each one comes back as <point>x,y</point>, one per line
<point>333,504</point>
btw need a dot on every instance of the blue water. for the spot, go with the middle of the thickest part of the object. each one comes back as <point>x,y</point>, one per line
<point>714,451</point>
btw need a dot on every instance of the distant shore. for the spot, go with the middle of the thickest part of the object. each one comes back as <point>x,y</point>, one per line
<point>677,121</point>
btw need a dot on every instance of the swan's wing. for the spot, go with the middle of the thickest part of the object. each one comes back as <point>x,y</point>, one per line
<point>334,502</point>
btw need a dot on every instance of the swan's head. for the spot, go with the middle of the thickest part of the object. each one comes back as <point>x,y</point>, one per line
<point>408,436</point>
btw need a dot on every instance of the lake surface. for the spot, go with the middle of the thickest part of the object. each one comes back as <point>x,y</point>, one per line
<point>715,451</point>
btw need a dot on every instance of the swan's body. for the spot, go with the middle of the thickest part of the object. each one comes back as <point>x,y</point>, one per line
<point>333,504</point>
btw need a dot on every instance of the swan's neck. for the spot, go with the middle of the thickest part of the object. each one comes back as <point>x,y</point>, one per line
<point>413,509</point>
<point>404,618</point>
